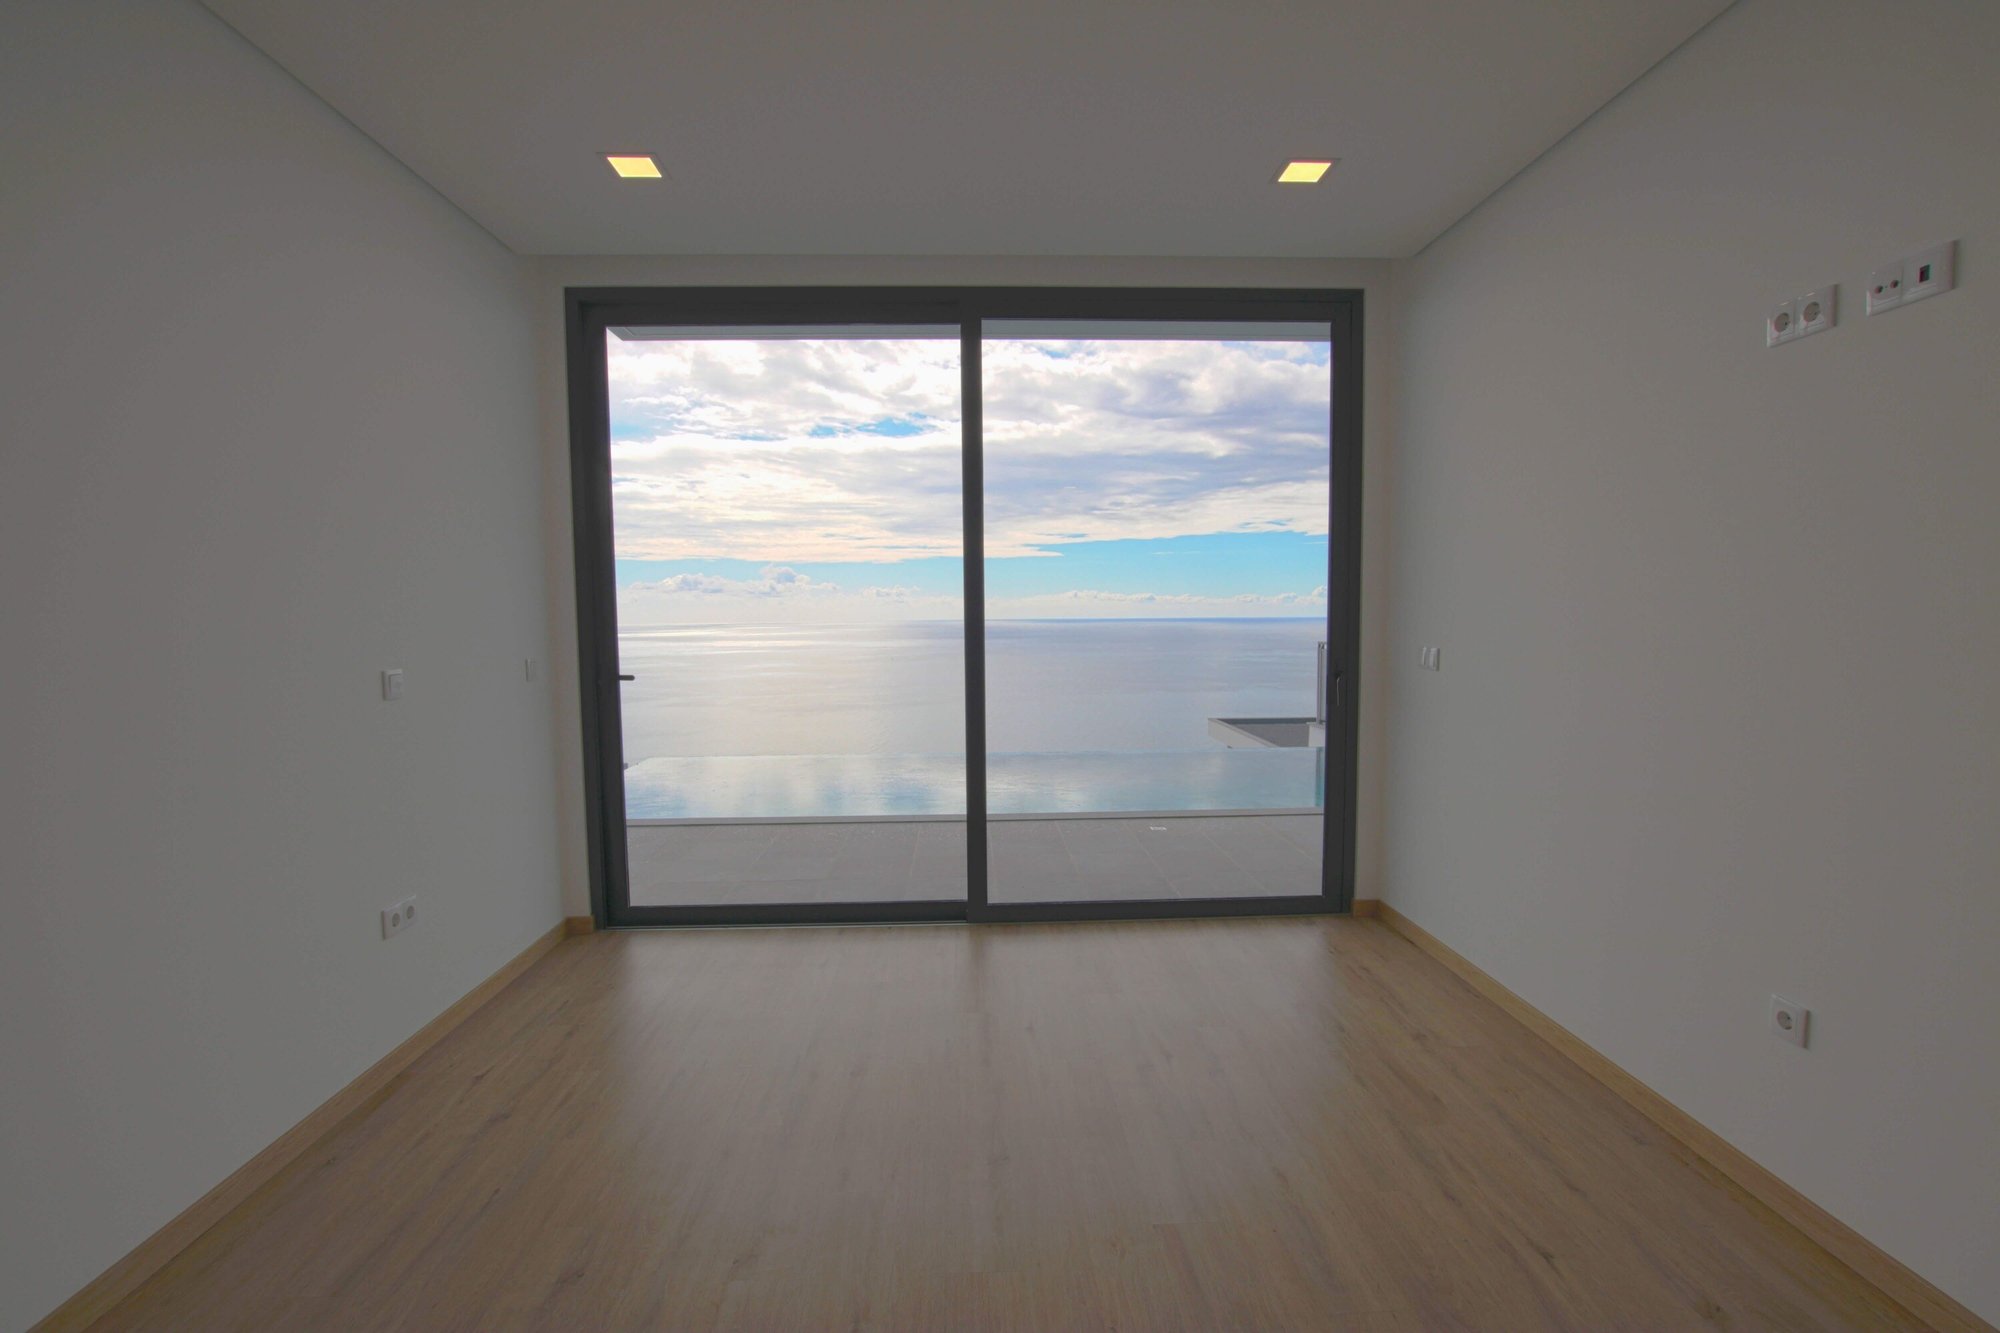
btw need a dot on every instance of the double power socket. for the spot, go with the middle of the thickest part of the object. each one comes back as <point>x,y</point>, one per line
<point>399,917</point>
<point>1927,272</point>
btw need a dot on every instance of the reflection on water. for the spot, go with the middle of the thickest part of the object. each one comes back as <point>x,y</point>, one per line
<point>1080,686</point>
<point>745,786</point>
<point>730,721</point>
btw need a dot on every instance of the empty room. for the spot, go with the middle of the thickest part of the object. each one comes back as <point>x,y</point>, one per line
<point>1322,665</point>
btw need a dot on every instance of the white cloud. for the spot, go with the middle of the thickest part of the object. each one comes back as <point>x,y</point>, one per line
<point>710,599</point>
<point>1086,602</point>
<point>776,451</point>
<point>773,581</point>
<point>703,599</point>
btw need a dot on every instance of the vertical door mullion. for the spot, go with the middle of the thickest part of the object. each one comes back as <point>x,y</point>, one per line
<point>1332,795</point>
<point>1343,551</point>
<point>618,886</point>
<point>972,496</point>
<point>597,603</point>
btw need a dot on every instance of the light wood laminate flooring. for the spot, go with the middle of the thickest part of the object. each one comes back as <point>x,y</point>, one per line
<point>1254,1124</point>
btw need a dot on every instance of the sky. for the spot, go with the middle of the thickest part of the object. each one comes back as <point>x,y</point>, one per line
<point>787,481</point>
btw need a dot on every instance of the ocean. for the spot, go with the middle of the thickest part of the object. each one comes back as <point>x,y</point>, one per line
<point>733,721</point>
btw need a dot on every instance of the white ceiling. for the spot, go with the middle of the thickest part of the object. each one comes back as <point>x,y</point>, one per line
<point>1030,127</point>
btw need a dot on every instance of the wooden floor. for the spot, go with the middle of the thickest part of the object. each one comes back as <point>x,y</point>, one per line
<point>1285,1124</point>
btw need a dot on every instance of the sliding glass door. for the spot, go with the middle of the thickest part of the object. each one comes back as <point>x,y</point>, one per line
<point>1157,506</point>
<point>919,604</point>
<point>787,529</point>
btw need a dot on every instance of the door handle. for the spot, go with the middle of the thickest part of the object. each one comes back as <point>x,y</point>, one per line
<point>625,677</point>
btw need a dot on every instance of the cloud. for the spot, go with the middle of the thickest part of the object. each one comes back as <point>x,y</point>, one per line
<point>697,584</point>
<point>681,599</point>
<point>1094,603</point>
<point>793,451</point>
<point>772,581</point>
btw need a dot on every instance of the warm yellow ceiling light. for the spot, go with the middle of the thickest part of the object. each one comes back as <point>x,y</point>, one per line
<point>634,166</point>
<point>1303,172</point>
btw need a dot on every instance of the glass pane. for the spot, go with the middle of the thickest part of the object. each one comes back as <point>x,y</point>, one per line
<point>1156,517</point>
<point>788,529</point>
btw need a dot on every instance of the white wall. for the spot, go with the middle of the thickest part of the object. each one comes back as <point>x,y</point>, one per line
<point>267,407</point>
<point>556,273</point>
<point>1720,624</point>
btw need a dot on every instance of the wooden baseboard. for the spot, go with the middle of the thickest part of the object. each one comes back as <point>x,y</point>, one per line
<point>1885,1273</point>
<point>120,1280</point>
<point>1366,907</point>
<point>579,925</point>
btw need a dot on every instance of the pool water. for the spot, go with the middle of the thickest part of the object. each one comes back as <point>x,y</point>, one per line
<point>779,786</point>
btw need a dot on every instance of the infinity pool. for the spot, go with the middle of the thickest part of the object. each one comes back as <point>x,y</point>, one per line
<point>782,786</point>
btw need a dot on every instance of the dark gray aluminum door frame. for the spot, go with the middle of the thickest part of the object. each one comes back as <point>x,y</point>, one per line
<point>590,312</point>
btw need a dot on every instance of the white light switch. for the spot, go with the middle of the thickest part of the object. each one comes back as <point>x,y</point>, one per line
<point>1431,660</point>
<point>392,684</point>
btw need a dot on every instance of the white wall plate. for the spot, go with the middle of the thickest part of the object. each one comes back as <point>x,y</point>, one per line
<point>1885,288</point>
<point>1781,323</point>
<point>1930,272</point>
<point>1817,309</point>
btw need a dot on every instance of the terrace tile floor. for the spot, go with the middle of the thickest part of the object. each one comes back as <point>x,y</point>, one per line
<point>1090,859</point>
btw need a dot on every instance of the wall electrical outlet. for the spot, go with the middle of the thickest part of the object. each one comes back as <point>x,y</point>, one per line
<point>1789,1021</point>
<point>1781,323</point>
<point>1930,272</point>
<point>399,917</point>
<point>1914,277</point>
<point>1801,316</point>
<point>1885,288</point>
<point>1817,309</point>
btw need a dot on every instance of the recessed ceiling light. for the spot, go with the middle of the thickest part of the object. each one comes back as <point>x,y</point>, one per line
<point>1304,171</point>
<point>634,166</point>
